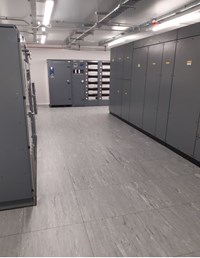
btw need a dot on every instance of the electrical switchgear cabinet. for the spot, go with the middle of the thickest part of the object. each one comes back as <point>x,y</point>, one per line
<point>78,80</point>
<point>126,94</point>
<point>60,90</point>
<point>165,89</point>
<point>118,97</point>
<point>17,130</point>
<point>113,81</point>
<point>160,38</point>
<point>120,62</point>
<point>185,98</point>
<point>189,31</point>
<point>140,57</point>
<point>152,88</point>
<point>164,96</point>
<point>197,144</point>
<point>127,61</point>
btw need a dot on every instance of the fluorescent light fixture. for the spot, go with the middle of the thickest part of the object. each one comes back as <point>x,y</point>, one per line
<point>43,29</point>
<point>123,39</point>
<point>120,28</point>
<point>48,11</point>
<point>131,37</point>
<point>43,39</point>
<point>115,42</point>
<point>184,19</point>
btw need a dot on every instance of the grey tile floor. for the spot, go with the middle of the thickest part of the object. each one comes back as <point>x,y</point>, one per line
<point>104,189</point>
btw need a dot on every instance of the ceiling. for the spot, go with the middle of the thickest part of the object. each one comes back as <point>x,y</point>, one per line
<point>71,18</point>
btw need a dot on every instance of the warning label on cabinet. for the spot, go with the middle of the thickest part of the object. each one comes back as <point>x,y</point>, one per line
<point>189,62</point>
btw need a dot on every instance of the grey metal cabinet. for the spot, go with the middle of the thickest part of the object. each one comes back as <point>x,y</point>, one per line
<point>120,62</point>
<point>17,161</point>
<point>127,61</point>
<point>112,80</point>
<point>197,144</point>
<point>184,106</point>
<point>78,81</point>
<point>118,97</point>
<point>152,88</point>
<point>112,96</point>
<point>60,90</point>
<point>165,89</point>
<point>140,57</point>
<point>126,90</point>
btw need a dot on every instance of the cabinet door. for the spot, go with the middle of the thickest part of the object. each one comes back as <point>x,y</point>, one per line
<point>60,83</point>
<point>120,58</point>
<point>138,85</point>
<point>165,89</point>
<point>113,80</point>
<point>197,144</point>
<point>152,88</point>
<point>127,61</point>
<point>185,97</point>
<point>126,99</point>
<point>118,97</point>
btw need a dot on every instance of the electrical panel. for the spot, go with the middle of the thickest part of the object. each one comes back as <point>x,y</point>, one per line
<point>104,83</point>
<point>60,85</point>
<point>152,88</point>
<point>185,98</point>
<point>163,96</point>
<point>92,83</point>
<point>138,83</point>
<point>18,148</point>
<point>79,82</point>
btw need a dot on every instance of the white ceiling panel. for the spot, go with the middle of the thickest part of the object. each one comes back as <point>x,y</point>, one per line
<point>100,35</point>
<point>58,35</point>
<point>15,8</point>
<point>80,10</point>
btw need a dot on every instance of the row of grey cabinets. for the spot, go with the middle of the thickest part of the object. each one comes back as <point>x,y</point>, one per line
<point>157,88</point>
<point>78,82</point>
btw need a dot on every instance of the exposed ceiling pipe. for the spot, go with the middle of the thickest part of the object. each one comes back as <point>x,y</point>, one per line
<point>5,18</point>
<point>77,48</point>
<point>85,33</point>
<point>147,25</point>
<point>34,21</point>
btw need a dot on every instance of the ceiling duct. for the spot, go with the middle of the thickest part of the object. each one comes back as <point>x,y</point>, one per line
<point>120,8</point>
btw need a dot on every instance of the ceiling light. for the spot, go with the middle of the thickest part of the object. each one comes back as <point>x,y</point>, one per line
<point>181,20</point>
<point>123,39</point>
<point>131,37</point>
<point>48,11</point>
<point>115,42</point>
<point>120,28</point>
<point>43,29</point>
<point>43,39</point>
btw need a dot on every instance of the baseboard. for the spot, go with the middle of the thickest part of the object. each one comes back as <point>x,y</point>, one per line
<point>182,154</point>
<point>17,204</point>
